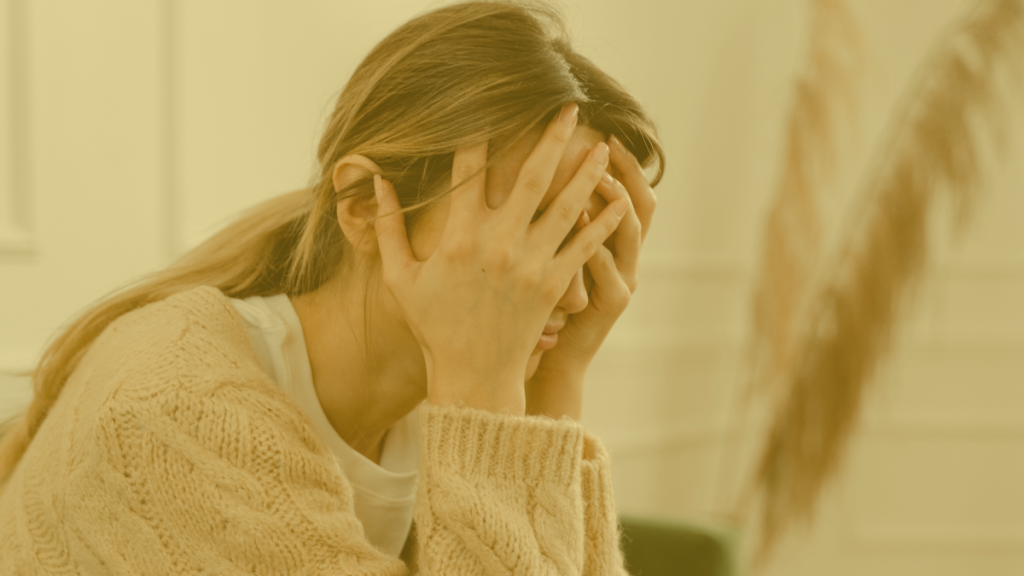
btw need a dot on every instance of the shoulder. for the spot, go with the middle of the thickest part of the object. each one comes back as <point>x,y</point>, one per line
<point>191,345</point>
<point>187,361</point>
<point>200,321</point>
<point>186,336</point>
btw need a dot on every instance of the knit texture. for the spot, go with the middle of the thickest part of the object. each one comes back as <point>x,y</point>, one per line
<point>169,451</point>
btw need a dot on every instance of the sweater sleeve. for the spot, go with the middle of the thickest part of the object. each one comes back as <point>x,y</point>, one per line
<point>602,555</point>
<point>512,495</point>
<point>232,485</point>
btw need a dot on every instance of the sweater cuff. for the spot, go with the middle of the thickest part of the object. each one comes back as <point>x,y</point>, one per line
<point>478,444</point>
<point>602,553</point>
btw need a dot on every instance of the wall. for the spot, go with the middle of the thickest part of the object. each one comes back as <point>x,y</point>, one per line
<point>130,130</point>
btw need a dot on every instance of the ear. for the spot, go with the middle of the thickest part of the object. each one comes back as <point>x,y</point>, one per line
<point>355,213</point>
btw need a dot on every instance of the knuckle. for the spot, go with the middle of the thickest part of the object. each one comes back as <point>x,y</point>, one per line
<point>464,172</point>
<point>499,256</point>
<point>566,215</point>
<point>562,134</point>
<point>460,248</point>
<point>534,182</point>
<point>528,280</point>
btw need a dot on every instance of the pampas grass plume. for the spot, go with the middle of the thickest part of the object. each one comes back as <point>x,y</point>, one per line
<point>932,151</point>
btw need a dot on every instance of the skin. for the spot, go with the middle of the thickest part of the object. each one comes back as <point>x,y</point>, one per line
<point>363,401</point>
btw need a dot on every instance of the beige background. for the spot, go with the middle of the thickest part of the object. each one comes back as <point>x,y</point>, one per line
<point>130,130</point>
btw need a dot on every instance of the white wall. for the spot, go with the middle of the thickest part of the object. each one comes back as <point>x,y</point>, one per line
<point>131,129</point>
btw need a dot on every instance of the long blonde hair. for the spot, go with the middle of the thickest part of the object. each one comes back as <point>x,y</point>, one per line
<point>448,79</point>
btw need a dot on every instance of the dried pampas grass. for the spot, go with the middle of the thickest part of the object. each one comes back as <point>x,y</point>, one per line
<point>932,150</point>
<point>791,247</point>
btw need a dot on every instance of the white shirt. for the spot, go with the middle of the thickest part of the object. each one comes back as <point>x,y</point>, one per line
<point>384,494</point>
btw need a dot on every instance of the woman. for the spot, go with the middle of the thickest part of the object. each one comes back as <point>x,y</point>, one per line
<point>236,413</point>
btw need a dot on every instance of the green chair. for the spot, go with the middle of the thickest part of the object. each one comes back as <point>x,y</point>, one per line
<point>660,547</point>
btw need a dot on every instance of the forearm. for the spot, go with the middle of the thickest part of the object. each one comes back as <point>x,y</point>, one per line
<point>556,394</point>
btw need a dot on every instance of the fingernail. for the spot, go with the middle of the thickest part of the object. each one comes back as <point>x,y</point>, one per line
<point>601,153</point>
<point>618,143</point>
<point>377,188</point>
<point>569,114</point>
<point>608,179</point>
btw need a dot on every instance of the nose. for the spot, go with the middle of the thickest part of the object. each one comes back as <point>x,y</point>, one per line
<point>575,298</point>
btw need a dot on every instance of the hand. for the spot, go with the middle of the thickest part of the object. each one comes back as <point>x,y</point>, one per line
<point>556,388</point>
<point>478,302</point>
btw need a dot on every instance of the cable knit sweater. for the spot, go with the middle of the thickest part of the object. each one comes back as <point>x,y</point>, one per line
<point>170,451</point>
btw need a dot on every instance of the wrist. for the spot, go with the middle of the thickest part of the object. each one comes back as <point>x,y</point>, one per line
<point>561,370</point>
<point>556,395</point>
<point>497,406</point>
<point>502,395</point>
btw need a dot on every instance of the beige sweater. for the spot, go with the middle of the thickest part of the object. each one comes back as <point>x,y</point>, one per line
<point>170,451</point>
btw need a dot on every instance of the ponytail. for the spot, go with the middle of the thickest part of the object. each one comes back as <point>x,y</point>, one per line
<point>250,257</point>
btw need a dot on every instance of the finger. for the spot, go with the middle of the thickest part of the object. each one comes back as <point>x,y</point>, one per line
<point>559,217</point>
<point>584,244</point>
<point>395,252</point>
<point>635,181</point>
<point>582,221</point>
<point>613,290</point>
<point>469,180</point>
<point>588,280</point>
<point>539,169</point>
<point>625,243</point>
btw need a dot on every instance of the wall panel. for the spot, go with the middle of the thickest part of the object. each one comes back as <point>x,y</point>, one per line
<point>15,228</point>
<point>79,103</point>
